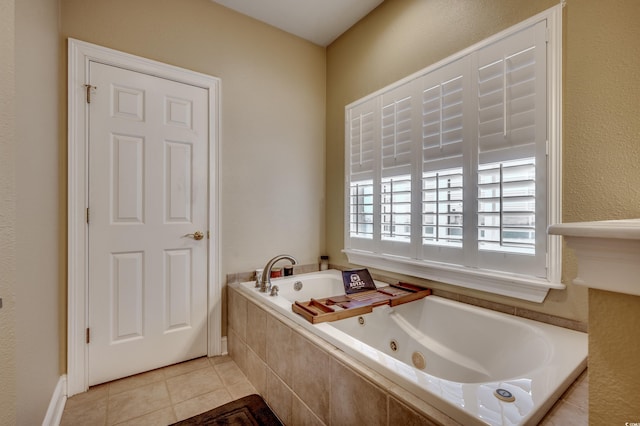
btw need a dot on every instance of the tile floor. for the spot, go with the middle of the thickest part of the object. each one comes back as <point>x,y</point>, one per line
<point>174,393</point>
<point>160,397</point>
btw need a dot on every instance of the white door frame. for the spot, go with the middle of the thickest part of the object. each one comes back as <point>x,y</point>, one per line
<point>80,55</point>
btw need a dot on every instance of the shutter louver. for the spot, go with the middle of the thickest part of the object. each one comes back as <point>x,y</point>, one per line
<point>362,137</point>
<point>506,206</point>
<point>396,128</point>
<point>509,75</point>
<point>442,120</point>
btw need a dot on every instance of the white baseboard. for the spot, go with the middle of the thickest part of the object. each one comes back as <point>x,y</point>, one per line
<point>59,397</point>
<point>56,405</point>
<point>223,346</point>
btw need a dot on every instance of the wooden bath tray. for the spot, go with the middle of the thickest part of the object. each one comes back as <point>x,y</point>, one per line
<point>348,305</point>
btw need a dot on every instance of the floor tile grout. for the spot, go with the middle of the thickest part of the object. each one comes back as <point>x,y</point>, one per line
<point>199,394</point>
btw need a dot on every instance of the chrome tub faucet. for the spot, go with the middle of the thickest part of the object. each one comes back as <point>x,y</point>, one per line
<point>265,281</point>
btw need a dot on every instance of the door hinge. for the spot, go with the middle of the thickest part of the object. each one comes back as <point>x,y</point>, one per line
<point>88,336</point>
<point>88,88</point>
<point>87,215</point>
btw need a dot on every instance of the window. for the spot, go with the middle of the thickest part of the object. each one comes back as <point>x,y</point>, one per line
<point>361,214</point>
<point>453,173</point>
<point>442,208</point>
<point>395,206</point>
<point>506,207</point>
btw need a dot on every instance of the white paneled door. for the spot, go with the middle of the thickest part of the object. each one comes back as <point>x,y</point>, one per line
<point>148,221</point>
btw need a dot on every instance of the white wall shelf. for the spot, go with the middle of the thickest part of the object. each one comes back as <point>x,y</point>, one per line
<point>608,253</point>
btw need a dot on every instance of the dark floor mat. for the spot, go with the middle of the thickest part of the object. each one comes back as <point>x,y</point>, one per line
<point>248,411</point>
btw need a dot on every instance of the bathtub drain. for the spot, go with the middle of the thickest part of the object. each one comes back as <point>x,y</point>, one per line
<point>418,360</point>
<point>504,395</point>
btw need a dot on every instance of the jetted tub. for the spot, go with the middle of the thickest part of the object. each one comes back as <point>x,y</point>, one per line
<point>466,361</point>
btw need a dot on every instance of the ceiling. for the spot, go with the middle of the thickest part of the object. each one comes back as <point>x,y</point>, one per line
<point>319,21</point>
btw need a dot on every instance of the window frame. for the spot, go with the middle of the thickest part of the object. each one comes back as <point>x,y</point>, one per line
<point>510,284</point>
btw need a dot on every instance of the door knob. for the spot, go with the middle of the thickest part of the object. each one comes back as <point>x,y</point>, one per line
<point>196,235</point>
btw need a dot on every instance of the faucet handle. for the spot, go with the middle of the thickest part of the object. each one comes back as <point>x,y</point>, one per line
<point>258,277</point>
<point>274,290</point>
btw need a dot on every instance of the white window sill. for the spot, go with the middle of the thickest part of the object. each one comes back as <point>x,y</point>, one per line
<point>513,285</point>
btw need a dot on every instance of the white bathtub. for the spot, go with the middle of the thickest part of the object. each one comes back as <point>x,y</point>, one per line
<point>463,354</point>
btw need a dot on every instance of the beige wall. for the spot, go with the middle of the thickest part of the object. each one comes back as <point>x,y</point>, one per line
<point>39,197</point>
<point>614,361</point>
<point>602,181</point>
<point>601,124</point>
<point>273,96</point>
<point>272,110</point>
<point>7,215</point>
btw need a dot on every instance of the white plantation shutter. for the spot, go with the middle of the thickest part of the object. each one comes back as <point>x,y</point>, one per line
<point>398,133</point>
<point>362,135</point>
<point>512,135</point>
<point>361,209</point>
<point>512,96</point>
<point>447,170</point>
<point>445,96</point>
<point>443,116</point>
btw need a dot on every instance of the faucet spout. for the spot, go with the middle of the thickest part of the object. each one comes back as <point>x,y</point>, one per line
<point>265,281</point>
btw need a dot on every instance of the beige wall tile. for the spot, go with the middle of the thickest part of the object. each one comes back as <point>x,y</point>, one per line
<point>310,376</point>
<point>301,415</point>
<point>279,397</point>
<point>500,307</point>
<point>355,400</point>
<point>279,348</point>
<point>256,372</point>
<point>237,349</point>
<point>552,319</point>
<point>238,313</point>
<point>257,330</point>
<point>400,414</point>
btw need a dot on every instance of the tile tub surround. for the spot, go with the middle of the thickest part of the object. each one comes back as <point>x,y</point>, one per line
<point>309,381</point>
